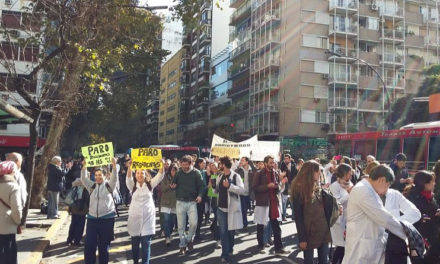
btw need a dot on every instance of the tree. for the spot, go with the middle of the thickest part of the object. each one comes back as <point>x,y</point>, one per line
<point>406,111</point>
<point>82,44</point>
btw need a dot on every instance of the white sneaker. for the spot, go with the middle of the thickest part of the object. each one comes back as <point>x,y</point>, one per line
<point>218,244</point>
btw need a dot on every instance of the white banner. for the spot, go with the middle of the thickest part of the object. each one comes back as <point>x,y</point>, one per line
<point>219,145</point>
<point>264,148</point>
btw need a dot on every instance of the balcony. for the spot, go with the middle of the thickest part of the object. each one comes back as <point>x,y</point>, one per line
<point>390,35</point>
<point>391,59</point>
<point>391,11</point>
<point>429,18</point>
<point>240,37</point>
<point>342,78</point>
<point>206,5</point>
<point>263,42</point>
<point>394,82</point>
<point>239,69</point>
<point>267,19</point>
<point>203,101</point>
<point>265,85</point>
<point>240,49</point>
<point>263,64</point>
<point>349,31</point>
<point>238,90</point>
<point>240,13</point>
<point>346,55</point>
<point>414,41</point>
<point>343,7</point>
<point>342,102</point>
<point>264,108</point>
<point>236,3</point>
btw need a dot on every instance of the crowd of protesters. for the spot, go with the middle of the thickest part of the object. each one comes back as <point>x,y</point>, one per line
<point>350,211</point>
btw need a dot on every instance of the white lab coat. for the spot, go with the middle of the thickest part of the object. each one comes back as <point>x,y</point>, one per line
<point>235,218</point>
<point>367,220</point>
<point>142,213</point>
<point>396,203</point>
<point>338,228</point>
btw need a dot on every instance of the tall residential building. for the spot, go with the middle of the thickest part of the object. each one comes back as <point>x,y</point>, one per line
<point>219,104</point>
<point>296,88</point>
<point>198,43</point>
<point>171,35</point>
<point>152,119</point>
<point>169,99</point>
<point>239,74</point>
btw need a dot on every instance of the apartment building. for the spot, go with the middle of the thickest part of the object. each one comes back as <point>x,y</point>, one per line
<point>152,119</point>
<point>296,88</point>
<point>169,98</point>
<point>198,44</point>
<point>220,109</point>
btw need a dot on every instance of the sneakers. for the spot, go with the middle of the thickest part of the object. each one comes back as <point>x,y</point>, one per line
<point>270,242</point>
<point>267,245</point>
<point>261,250</point>
<point>167,241</point>
<point>218,245</point>
<point>182,251</point>
<point>284,219</point>
<point>190,246</point>
<point>282,252</point>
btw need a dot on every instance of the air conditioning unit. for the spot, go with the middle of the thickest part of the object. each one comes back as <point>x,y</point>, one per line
<point>8,2</point>
<point>374,6</point>
<point>14,33</point>
<point>325,76</point>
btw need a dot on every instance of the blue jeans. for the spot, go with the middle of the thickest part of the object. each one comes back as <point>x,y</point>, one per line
<point>8,249</point>
<point>244,208</point>
<point>184,209</point>
<point>226,236</point>
<point>322,254</point>
<point>99,233</point>
<point>168,223</point>
<point>52,203</point>
<point>145,242</point>
<point>76,228</point>
<point>267,233</point>
<point>284,200</point>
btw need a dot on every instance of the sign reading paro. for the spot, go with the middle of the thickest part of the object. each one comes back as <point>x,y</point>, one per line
<point>146,159</point>
<point>98,155</point>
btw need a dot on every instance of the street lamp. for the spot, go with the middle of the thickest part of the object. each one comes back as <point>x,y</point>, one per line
<point>385,90</point>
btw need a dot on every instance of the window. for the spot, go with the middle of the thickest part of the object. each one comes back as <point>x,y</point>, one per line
<point>371,23</point>
<point>162,102</point>
<point>315,17</point>
<point>321,67</point>
<point>162,112</point>
<point>11,19</point>
<point>171,97</point>
<point>170,132</point>
<point>314,41</point>
<point>171,108</point>
<point>170,120</point>
<point>320,92</point>
<point>310,116</point>
<point>161,123</point>
<point>172,85</point>
<point>172,73</point>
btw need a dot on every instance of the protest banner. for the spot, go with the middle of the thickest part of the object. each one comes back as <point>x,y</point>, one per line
<point>264,148</point>
<point>146,159</point>
<point>245,146</point>
<point>98,155</point>
<point>222,151</point>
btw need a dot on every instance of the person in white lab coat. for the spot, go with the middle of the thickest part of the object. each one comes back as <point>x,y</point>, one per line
<point>142,213</point>
<point>367,219</point>
<point>341,189</point>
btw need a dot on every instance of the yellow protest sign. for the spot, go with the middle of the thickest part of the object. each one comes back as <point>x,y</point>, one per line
<point>146,159</point>
<point>224,151</point>
<point>98,155</point>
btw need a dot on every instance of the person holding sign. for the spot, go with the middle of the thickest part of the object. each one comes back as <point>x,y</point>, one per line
<point>101,216</point>
<point>189,188</point>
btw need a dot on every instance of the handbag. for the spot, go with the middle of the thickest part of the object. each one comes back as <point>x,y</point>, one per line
<point>72,196</point>
<point>331,208</point>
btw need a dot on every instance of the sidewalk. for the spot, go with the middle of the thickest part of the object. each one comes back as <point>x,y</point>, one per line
<point>37,236</point>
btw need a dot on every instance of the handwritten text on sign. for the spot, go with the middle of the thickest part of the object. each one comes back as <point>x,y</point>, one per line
<point>99,154</point>
<point>146,159</point>
<point>225,151</point>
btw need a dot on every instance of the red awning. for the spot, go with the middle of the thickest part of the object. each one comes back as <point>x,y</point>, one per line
<point>21,142</point>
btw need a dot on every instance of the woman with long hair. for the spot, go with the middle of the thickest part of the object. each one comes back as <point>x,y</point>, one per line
<point>168,203</point>
<point>142,212</point>
<point>340,189</point>
<point>311,223</point>
<point>421,195</point>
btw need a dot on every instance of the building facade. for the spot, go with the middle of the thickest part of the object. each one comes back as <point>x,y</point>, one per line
<point>169,98</point>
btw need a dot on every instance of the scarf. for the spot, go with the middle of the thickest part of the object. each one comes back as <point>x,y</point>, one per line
<point>273,201</point>
<point>427,195</point>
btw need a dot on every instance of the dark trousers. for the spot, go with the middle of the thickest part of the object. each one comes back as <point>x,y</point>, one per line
<point>168,223</point>
<point>244,208</point>
<point>99,233</point>
<point>214,227</point>
<point>145,243</point>
<point>276,235</point>
<point>322,254</point>
<point>200,213</point>
<point>338,255</point>
<point>125,193</point>
<point>76,228</point>
<point>8,249</point>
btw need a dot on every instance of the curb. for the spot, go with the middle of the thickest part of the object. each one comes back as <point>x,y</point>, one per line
<point>37,253</point>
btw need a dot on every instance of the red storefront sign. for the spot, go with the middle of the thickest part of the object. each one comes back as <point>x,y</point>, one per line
<point>20,142</point>
<point>418,132</point>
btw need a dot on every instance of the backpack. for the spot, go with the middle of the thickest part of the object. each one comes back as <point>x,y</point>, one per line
<point>110,191</point>
<point>331,208</point>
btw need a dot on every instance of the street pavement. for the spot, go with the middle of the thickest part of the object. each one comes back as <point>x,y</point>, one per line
<point>245,249</point>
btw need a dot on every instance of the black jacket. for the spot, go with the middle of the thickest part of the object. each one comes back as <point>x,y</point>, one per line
<point>290,174</point>
<point>55,178</point>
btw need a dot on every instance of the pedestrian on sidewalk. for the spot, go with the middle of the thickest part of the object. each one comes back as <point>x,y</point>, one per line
<point>17,158</point>
<point>229,187</point>
<point>79,210</point>
<point>246,171</point>
<point>189,188</point>
<point>55,183</point>
<point>311,223</point>
<point>266,186</point>
<point>101,216</point>
<point>168,203</point>
<point>142,212</point>
<point>10,213</point>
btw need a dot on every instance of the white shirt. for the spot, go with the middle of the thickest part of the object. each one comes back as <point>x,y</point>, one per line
<point>19,177</point>
<point>338,229</point>
<point>396,203</point>
<point>367,220</point>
